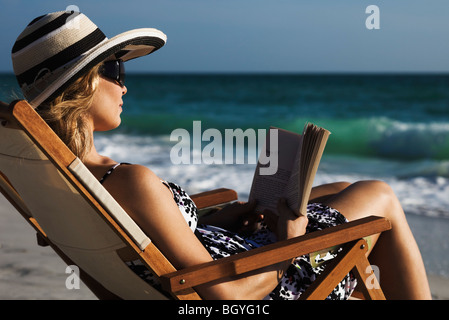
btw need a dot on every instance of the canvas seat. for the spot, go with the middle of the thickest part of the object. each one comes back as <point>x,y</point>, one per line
<point>72,212</point>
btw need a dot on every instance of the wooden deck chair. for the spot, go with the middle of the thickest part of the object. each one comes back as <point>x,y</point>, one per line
<point>72,212</point>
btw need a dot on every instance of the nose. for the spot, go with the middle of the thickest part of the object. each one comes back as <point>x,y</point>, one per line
<point>124,90</point>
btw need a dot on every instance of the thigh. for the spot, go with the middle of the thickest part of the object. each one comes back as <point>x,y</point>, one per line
<point>324,192</point>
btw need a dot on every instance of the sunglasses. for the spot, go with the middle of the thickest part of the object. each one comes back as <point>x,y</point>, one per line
<point>114,70</point>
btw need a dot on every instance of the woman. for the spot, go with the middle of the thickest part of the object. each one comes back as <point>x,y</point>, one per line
<point>74,76</point>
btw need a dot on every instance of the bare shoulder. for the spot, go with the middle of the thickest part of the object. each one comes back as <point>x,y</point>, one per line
<point>131,183</point>
<point>135,172</point>
<point>132,175</point>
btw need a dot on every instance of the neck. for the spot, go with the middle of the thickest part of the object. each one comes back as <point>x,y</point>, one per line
<point>93,158</point>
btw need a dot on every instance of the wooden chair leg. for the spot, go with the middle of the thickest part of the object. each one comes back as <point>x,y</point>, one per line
<point>351,258</point>
<point>366,281</point>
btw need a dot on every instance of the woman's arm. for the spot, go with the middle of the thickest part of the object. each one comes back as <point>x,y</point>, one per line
<point>141,194</point>
<point>238,217</point>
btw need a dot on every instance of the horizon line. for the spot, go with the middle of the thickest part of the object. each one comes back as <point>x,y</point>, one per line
<point>306,73</point>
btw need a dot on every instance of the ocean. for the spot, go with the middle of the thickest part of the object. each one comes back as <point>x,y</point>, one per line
<point>384,126</point>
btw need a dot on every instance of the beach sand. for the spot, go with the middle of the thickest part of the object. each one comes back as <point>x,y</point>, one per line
<point>30,272</point>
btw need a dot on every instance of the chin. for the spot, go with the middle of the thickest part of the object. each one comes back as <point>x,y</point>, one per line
<point>109,127</point>
<point>116,126</point>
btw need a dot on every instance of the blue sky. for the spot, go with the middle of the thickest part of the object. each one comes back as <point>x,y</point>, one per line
<point>262,35</point>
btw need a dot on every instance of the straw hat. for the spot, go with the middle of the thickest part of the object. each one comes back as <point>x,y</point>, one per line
<point>57,48</point>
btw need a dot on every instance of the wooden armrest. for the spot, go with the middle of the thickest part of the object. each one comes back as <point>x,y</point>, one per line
<point>214,197</point>
<point>268,255</point>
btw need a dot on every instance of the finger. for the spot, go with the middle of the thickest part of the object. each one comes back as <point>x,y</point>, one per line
<point>270,219</point>
<point>304,221</point>
<point>247,211</point>
<point>268,214</point>
<point>252,218</point>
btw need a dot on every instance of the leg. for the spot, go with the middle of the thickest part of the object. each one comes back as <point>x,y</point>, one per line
<point>324,192</point>
<point>402,272</point>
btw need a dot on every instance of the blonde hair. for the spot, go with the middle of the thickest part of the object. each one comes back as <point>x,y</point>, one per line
<point>66,113</point>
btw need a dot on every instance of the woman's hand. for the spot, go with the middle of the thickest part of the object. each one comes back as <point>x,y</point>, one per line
<point>287,224</point>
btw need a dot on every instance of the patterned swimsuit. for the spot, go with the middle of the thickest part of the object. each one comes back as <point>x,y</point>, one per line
<point>222,243</point>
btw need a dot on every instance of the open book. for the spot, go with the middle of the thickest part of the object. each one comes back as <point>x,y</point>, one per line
<point>298,157</point>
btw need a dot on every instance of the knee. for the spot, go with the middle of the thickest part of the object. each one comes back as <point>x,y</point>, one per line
<point>377,187</point>
<point>383,193</point>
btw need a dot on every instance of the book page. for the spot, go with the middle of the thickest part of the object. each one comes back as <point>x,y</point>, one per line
<point>298,160</point>
<point>315,139</point>
<point>268,188</point>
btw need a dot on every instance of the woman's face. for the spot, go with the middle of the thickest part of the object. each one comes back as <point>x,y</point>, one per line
<point>106,105</point>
